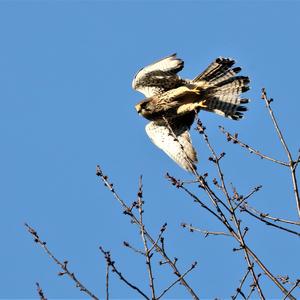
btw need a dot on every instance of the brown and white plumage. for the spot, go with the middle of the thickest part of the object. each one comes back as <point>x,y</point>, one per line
<point>177,144</point>
<point>172,102</point>
<point>159,77</point>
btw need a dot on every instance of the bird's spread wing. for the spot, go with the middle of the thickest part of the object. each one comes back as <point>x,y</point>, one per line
<point>159,77</point>
<point>180,149</point>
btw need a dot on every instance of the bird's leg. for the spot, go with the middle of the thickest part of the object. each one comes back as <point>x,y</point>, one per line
<point>197,90</point>
<point>185,108</point>
<point>202,104</point>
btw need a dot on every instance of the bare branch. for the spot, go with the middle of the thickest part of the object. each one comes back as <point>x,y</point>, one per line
<point>269,274</point>
<point>297,283</point>
<point>40,292</point>
<point>292,164</point>
<point>251,292</point>
<point>275,219</point>
<point>62,265</point>
<point>234,139</point>
<point>176,281</point>
<point>205,232</point>
<point>235,235</point>
<point>239,289</point>
<point>134,219</point>
<point>243,199</point>
<point>201,129</point>
<point>126,244</point>
<point>224,212</point>
<point>111,264</point>
<point>107,281</point>
<point>297,160</point>
<point>238,234</point>
<point>196,199</point>
<point>162,230</point>
<point>279,133</point>
<point>258,217</point>
<point>148,254</point>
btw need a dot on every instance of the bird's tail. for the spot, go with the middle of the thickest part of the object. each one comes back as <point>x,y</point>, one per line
<point>223,88</point>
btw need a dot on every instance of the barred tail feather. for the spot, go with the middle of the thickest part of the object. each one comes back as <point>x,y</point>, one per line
<point>216,69</point>
<point>232,110</point>
<point>223,88</point>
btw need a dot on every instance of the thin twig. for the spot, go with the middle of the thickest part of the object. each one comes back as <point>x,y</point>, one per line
<point>126,244</point>
<point>62,265</point>
<point>196,199</point>
<point>275,219</point>
<point>107,282</point>
<point>205,232</point>
<point>292,164</point>
<point>245,209</point>
<point>279,133</point>
<point>162,230</point>
<point>243,199</point>
<point>250,292</point>
<point>177,280</point>
<point>293,287</point>
<point>234,139</point>
<point>111,263</point>
<point>148,254</point>
<point>239,289</point>
<point>40,292</point>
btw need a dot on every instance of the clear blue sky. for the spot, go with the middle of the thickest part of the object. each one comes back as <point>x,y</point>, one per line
<point>67,104</point>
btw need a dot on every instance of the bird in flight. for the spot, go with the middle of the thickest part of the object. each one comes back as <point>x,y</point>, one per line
<point>172,102</point>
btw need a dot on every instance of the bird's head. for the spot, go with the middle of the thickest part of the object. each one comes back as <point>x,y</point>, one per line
<point>145,108</point>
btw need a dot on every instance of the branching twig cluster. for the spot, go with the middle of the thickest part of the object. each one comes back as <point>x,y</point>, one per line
<point>227,213</point>
<point>150,244</point>
<point>111,264</point>
<point>292,163</point>
<point>63,265</point>
<point>221,210</point>
<point>225,205</point>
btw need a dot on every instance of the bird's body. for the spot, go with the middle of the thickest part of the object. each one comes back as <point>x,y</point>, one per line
<point>172,102</point>
<point>168,104</point>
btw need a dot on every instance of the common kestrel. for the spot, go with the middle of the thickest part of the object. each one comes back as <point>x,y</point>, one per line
<point>172,102</point>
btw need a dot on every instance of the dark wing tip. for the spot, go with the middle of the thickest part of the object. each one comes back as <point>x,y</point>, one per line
<point>237,70</point>
<point>245,89</point>
<point>225,61</point>
<point>244,100</point>
<point>242,108</point>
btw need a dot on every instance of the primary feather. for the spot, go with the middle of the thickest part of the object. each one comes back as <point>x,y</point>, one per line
<point>159,77</point>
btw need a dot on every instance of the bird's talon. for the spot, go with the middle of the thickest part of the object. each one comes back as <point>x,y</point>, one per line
<point>196,91</point>
<point>202,104</point>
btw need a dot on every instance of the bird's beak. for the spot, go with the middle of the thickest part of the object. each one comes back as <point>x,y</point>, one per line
<point>138,108</point>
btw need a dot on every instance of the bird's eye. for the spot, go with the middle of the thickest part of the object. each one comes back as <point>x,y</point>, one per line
<point>144,106</point>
